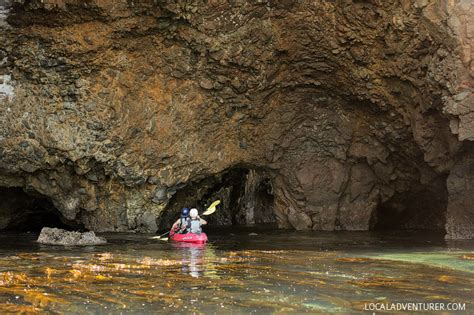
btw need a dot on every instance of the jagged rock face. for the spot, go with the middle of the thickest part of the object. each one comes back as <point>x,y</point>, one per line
<point>353,114</point>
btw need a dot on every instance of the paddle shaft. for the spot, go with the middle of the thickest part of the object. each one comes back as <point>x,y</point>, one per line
<point>164,234</point>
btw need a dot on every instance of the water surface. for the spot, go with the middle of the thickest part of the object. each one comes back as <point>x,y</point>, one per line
<point>272,272</point>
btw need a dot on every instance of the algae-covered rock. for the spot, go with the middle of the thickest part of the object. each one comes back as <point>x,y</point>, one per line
<point>54,236</point>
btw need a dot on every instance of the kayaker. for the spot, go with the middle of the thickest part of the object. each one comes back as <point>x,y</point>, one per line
<point>182,225</point>
<point>196,222</point>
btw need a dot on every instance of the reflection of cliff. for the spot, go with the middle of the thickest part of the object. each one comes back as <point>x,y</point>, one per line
<point>352,115</point>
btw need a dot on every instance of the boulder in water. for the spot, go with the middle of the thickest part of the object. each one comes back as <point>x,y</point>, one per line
<point>54,236</point>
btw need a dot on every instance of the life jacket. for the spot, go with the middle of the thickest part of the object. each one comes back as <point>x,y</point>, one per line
<point>184,225</point>
<point>195,226</point>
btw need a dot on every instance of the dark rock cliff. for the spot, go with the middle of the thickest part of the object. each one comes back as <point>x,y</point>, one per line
<point>328,115</point>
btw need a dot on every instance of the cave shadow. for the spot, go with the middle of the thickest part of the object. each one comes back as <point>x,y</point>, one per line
<point>28,212</point>
<point>422,209</point>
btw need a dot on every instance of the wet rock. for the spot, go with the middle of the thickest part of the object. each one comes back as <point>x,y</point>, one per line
<point>54,236</point>
<point>160,195</point>
<point>460,215</point>
<point>148,222</point>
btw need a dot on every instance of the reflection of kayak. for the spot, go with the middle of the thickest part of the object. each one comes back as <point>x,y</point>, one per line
<point>189,238</point>
<point>188,245</point>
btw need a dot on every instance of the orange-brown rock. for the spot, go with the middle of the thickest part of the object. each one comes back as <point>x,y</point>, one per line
<point>314,114</point>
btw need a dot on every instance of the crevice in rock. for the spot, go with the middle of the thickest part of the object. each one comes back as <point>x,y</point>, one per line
<point>21,211</point>
<point>246,196</point>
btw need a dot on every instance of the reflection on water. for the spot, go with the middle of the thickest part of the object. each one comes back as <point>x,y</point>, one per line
<point>192,262</point>
<point>270,272</point>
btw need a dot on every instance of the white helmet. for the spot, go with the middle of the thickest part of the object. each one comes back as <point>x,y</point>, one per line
<point>193,213</point>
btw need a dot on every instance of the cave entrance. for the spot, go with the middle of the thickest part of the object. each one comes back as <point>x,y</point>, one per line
<point>246,199</point>
<point>424,208</point>
<point>21,211</point>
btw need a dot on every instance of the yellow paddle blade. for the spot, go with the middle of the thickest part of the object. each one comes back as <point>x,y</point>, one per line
<point>212,208</point>
<point>210,211</point>
<point>215,204</point>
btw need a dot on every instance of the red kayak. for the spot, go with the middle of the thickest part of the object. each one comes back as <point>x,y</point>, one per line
<point>189,238</point>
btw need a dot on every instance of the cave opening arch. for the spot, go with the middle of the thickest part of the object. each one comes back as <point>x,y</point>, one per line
<point>23,211</point>
<point>246,194</point>
<point>424,207</point>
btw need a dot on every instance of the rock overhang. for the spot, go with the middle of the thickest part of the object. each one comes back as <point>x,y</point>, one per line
<point>344,103</point>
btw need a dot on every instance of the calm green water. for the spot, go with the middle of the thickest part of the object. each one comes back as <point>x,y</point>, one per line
<point>272,272</point>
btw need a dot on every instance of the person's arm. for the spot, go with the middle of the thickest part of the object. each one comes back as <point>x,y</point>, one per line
<point>202,221</point>
<point>175,225</point>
